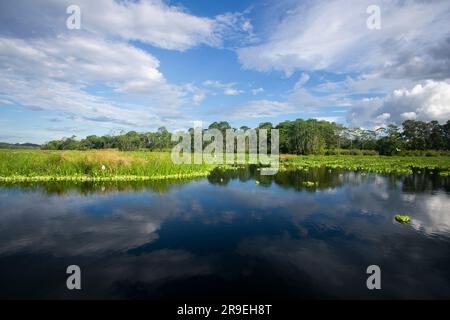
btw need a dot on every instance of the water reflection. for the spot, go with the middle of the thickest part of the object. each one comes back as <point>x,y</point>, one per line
<point>228,236</point>
<point>90,187</point>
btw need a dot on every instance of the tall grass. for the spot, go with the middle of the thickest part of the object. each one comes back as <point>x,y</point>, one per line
<point>98,165</point>
<point>113,165</point>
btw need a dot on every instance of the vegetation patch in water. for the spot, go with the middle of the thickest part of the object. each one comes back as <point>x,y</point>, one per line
<point>113,165</point>
<point>376,164</point>
<point>402,219</point>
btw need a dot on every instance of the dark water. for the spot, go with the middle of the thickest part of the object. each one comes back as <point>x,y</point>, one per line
<point>228,236</point>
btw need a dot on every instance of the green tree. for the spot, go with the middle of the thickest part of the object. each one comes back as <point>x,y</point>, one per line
<point>391,143</point>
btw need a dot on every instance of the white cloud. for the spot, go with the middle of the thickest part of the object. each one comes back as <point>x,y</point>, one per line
<point>304,78</point>
<point>332,35</point>
<point>329,119</point>
<point>226,88</point>
<point>366,83</point>
<point>234,28</point>
<point>198,98</point>
<point>436,219</point>
<point>427,101</point>
<point>257,91</point>
<point>232,92</point>
<point>198,94</point>
<point>259,109</point>
<point>149,21</point>
<point>310,99</point>
<point>4,101</point>
<point>298,100</point>
<point>408,115</point>
<point>73,130</point>
<point>98,74</point>
<point>218,84</point>
<point>56,75</point>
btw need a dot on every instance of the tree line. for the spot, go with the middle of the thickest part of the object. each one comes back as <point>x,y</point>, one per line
<point>296,137</point>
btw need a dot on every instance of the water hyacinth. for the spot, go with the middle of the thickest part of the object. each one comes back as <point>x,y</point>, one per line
<point>376,164</point>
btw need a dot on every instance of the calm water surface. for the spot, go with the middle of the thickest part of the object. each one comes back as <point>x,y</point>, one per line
<point>231,235</point>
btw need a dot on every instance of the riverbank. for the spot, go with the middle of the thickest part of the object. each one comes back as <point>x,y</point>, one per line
<point>113,165</point>
<point>93,165</point>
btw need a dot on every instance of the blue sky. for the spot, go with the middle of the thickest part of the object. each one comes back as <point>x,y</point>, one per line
<point>139,65</point>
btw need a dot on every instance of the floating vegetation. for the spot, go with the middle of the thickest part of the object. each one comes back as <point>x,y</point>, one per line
<point>113,165</point>
<point>376,164</point>
<point>402,219</point>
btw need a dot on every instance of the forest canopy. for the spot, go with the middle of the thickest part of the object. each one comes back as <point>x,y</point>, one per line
<point>296,137</point>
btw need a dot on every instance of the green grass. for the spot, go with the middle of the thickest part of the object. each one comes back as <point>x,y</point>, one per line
<point>40,165</point>
<point>377,164</point>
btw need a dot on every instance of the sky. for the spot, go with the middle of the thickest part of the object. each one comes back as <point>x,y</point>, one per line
<point>140,65</point>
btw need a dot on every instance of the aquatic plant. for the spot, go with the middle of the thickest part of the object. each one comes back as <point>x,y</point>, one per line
<point>113,165</point>
<point>402,219</point>
<point>376,164</point>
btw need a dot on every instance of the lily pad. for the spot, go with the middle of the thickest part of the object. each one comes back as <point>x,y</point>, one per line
<point>402,219</point>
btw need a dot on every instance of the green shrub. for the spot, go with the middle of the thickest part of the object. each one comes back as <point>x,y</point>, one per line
<point>350,152</point>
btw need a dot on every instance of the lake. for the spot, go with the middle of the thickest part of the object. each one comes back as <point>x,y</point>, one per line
<point>235,234</point>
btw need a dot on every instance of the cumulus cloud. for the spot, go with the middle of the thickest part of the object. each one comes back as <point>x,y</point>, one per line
<point>98,73</point>
<point>84,60</point>
<point>257,91</point>
<point>411,47</point>
<point>426,101</point>
<point>149,21</point>
<point>332,35</point>
<point>54,74</point>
